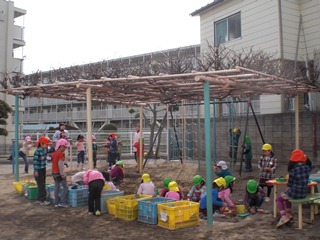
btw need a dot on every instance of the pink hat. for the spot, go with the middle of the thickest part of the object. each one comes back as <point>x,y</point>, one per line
<point>28,139</point>
<point>93,138</point>
<point>62,142</point>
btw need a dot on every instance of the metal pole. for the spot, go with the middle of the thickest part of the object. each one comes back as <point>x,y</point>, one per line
<point>296,113</point>
<point>206,92</point>
<point>214,132</point>
<point>16,136</point>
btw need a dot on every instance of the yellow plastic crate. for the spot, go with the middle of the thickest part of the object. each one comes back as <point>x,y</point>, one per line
<point>127,206</point>
<point>111,204</point>
<point>175,215</point>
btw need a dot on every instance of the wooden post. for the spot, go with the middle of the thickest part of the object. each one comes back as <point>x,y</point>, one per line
<point>141,154</point>
<point>89,128</point>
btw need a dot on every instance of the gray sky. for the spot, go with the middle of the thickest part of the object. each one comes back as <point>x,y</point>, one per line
<point>61,33</point>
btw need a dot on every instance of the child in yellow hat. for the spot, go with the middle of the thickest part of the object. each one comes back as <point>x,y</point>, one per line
<point>217,185</point>
<point>267,166</point>
<point>147,187</point>
<point>173,191</point>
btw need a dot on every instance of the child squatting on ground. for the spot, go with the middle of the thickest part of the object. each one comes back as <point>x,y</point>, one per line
<point>254,196</point>
<point>165,188</point>
<point>297,185</point>
<point>217,186</point>
<point>173,192</point>
<point>58,174</point>
<point>221,169</point>
<point>39,168</point>
<point>198,189</point>
<point>224,195</point>
<point>267,166</point>
<point>147,187</point>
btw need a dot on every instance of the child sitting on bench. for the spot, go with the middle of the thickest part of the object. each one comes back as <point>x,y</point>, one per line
<point>297,186</point>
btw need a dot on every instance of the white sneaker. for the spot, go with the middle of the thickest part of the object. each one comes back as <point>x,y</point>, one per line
<point>45,203</point>
<point>63,205</point>
<point>267,199</point>
<point>218,214</point>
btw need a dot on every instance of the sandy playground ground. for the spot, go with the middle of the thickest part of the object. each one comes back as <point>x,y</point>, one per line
<point>21,218</point>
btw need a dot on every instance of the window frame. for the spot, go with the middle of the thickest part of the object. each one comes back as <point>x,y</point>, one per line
<point>226,19</point>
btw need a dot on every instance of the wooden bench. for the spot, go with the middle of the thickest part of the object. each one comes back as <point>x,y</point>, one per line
<point>312,199</point>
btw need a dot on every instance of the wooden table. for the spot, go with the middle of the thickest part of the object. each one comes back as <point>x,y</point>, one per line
<point>275,192</point>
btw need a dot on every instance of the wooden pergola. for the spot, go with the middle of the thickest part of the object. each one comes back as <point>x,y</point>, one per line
<point>166,88</point>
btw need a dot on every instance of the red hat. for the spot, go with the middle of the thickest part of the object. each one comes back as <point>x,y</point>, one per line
<point>112,135</point>
<point>298,156</point>
<point>44,140</point>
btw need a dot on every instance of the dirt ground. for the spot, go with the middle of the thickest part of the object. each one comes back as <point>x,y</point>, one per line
<point>21,218</point>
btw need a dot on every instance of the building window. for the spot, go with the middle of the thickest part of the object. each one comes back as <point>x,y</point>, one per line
<point>227,29</point>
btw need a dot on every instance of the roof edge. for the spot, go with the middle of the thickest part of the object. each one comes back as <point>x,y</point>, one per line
<point>205,8</point>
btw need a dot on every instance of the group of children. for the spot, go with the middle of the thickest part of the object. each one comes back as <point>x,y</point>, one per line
<point>299,168</point>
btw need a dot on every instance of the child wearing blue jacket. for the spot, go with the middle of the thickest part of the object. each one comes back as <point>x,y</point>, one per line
<point>217,185</point>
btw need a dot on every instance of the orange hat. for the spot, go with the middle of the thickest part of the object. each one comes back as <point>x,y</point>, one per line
<point>298,156</point>
<point>44,140</point>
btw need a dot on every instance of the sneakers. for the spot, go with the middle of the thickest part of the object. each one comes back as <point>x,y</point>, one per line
<point>45,203</point>
<point>63,205</point>
<point>283,220</point>
<point>267,199</point>
<point>56,205</point>
<point>98,213</point>
<point>90,213</point>
<point>218,214</point>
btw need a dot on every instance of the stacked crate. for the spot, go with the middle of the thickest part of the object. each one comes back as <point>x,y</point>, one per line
<point>175,215</point>
<point>127,206</point>
<point>78,197</point>
<point>148,209</point>
<point>107,194</point>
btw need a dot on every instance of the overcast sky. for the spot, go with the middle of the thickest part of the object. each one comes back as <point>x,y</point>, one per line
<point>62,33</point>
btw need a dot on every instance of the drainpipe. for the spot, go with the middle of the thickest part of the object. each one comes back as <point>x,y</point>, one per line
<point>280,29</point>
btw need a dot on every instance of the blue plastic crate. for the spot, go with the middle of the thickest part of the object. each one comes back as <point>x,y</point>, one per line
<point>148,210</point>
<point>50,193</point>
<point>106,194</point>
<point>78,197</point>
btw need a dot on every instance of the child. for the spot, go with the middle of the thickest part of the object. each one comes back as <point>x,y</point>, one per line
<point>117,173</point>
<point>217,186</point>
<point>58,174</point>
<point>267,166</point>
<point>165,188</point>
<point>78,178</point>
<point>297,186</point>
<point>107,148</point>
<point>110,184</point>
<point>112,150</point>
<point>248,153</point>
<point>24,151</point>
<point>80,148</point>
<point>39,168</point>
<point>147,187</point>
<point>254,196</point>
<point>96,181</point>
<point>225,194</point>
<point>63,135</point>
<point>94,151</point>
<point>198,189</point>
<point>221,169</point>
<point>173,192</point>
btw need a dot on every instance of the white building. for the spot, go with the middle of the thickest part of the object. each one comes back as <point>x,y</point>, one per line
<point>11,53</point>
<point>288,28</point>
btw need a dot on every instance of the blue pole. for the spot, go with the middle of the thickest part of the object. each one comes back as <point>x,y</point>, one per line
<point>16,136</point>
<point>206,92</point>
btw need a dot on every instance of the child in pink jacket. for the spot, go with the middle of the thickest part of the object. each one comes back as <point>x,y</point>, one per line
<point>225,194</point>
<point>96,182</point>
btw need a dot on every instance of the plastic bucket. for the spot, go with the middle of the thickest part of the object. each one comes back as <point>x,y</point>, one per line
<point>241,209</point>
<point>33,192</point>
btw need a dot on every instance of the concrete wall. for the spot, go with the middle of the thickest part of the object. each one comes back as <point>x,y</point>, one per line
<point>277,129</point>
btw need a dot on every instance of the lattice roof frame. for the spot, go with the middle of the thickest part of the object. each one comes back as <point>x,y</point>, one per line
<point>167,88</point>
